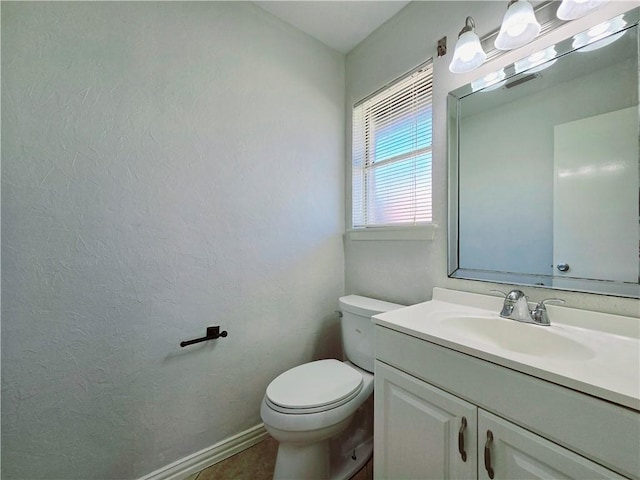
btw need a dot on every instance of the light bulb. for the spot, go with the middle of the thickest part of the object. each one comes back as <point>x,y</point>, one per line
<point>516,29</point>
<point>467,52</point>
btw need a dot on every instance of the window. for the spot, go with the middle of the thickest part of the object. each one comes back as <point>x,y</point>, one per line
<point>392,142</point>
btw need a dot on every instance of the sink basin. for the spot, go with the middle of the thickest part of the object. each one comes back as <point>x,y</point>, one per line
<point>519,337</point>
<point>591,352</point>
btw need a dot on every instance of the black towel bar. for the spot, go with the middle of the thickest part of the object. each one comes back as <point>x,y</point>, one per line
<point>212,334</point>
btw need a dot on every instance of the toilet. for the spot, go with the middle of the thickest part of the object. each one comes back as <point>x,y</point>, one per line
<point>321,412</point>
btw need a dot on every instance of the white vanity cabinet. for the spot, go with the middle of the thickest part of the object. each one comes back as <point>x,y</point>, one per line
<point>421,431</point>
<point>538,429</point>
<point>511,452</point>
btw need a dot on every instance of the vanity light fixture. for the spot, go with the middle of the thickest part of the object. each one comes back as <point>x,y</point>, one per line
<point>519,26</point>
<point>600,35</point>
<point>468,53</point>
<point>442,47</point>
<point>572,9</point>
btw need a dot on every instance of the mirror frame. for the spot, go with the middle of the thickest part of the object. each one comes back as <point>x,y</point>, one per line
<point>601,287</point>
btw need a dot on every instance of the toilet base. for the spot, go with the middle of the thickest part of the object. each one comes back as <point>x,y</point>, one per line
<point>346,466</point>
<point>313,462</point>
<point>330,459</point>
<point>303,461</point>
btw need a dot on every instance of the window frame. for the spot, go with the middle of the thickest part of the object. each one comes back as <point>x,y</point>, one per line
<point>420,230</point>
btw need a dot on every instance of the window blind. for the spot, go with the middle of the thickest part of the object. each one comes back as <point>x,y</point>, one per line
<point>391,157</point>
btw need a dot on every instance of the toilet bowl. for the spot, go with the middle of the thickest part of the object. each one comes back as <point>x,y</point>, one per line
<point>310,409</point>
<point>304,426</point>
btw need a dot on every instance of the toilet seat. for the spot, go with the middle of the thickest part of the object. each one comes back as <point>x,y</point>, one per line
<point>314,387</point>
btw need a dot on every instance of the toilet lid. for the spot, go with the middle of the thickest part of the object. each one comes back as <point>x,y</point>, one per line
<point>315,384</point>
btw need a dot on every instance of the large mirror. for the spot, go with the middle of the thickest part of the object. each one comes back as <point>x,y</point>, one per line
<point>544,167</point>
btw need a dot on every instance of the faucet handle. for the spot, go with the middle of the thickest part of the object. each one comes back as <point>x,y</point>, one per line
<point>541,304</point>
<point>513,295</point>
<point>539,314</point>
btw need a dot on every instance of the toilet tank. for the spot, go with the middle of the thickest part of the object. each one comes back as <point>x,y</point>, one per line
<point>357,327</point>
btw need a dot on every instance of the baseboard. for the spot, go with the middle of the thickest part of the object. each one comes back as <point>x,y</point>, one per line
<point>198,461</point>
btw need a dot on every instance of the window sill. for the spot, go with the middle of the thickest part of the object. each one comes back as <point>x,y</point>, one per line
<point>422,232</point>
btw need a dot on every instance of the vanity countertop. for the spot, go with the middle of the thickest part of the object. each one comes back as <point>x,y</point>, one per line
<point>594,353</point>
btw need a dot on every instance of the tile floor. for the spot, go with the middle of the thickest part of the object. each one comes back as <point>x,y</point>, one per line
<point>256,463</point>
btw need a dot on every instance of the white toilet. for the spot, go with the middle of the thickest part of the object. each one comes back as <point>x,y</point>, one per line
<point>321,413</point>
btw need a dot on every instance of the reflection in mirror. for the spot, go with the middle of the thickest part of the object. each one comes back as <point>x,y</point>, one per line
<point>544,175</point>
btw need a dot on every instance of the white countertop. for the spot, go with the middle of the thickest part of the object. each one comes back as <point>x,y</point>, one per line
<point>598,354</point>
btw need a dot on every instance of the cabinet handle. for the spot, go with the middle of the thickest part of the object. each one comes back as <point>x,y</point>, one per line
<point>463,426</point>
<point>487,454</point>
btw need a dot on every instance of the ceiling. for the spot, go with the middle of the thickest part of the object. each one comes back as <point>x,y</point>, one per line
<point>339,24</point>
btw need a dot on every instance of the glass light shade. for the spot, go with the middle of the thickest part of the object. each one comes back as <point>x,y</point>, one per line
<point>572,9</point>
<point>519,26</point>
<point>468,54</point>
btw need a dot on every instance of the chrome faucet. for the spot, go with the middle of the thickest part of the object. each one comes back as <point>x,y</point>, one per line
<point>516,307</point>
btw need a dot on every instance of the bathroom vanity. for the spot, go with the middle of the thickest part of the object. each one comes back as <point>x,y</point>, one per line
<point>464,393</point>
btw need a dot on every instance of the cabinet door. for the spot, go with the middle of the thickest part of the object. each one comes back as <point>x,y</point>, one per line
<point>512,452</point>
<point>418,430</point>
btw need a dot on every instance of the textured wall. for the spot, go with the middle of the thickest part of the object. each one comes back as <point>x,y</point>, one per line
<point>166,167</point>
<point>406,271</point>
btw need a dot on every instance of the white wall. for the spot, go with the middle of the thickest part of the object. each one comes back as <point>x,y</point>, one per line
<point>406,271</point>
<point>167,166</point>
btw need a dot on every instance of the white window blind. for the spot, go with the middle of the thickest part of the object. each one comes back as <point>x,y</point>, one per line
<point>392,141</point>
